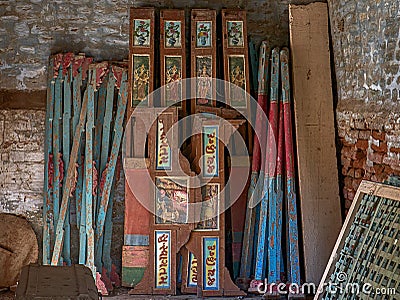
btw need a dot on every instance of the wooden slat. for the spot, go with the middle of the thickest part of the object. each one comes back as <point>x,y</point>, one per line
<point>314,122</point>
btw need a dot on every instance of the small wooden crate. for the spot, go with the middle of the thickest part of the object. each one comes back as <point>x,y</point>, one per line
<point>51,282</point>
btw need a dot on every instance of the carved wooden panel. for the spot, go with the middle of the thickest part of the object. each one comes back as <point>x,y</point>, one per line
<point>235,49</point>
<point>141,56</point>
<point>203,56</point>
<point>172,56</point>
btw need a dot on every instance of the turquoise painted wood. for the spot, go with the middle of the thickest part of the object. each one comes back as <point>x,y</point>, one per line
<point>89,170</point>
<point>76,102</point>
<point>66,142</point>
<point>118,131</point>
<point>59,236</point>
<point>47,223</point>
<point>293,234</point>
<point>252,212</point>
<point>97,144</point>
<point>269,173</point>
<point>106,141</point>
<point>56,146</point>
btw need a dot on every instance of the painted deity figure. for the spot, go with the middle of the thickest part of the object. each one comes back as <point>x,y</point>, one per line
<point>173,76</point>
<point>203,85</point>
<point>237,78</point>
<point>141,76</point>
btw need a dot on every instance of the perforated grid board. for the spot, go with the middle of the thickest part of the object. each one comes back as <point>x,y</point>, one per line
<point>365,262</point>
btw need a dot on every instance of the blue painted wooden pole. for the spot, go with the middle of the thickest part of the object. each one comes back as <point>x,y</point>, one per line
<point>293,240</point>
<point>103,163</point>
<point>89,171</point>
<point>260,131</point>
<point>97,144</point>
<point>66,142</point>
<point>118,130</point>
<point>56,146</point>
<point>76,103</point>
<point>47,151</point>
<point>261,256</point>
<point>272,195</point>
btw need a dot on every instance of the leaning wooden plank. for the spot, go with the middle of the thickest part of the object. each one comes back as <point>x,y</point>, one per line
<point>47,151</point>
<point>68,185</point>
<point>66,144</point>
<point>314,123</point>
<point>89,169</point>
<point>293,259</point>
<point>118,131</point>
<point>56,139</point>
<point>260,132</point>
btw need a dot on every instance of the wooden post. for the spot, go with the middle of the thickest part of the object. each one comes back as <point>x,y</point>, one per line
<point>315,134</point>
<point>258,148</point>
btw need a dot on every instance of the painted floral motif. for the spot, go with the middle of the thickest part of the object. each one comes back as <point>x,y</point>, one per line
<point>142,33</point>
<point>173,34</point>
<point>203,33</point>
<point>235,33</point>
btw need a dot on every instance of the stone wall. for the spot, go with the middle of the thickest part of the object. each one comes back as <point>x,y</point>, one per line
<point>365,36</point>
<point>21,165</point>
<point>31,30</point>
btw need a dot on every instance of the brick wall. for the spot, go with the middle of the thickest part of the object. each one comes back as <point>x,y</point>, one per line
<point>365,37</point>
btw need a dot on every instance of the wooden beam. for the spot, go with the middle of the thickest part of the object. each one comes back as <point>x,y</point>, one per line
<point>314,123</point>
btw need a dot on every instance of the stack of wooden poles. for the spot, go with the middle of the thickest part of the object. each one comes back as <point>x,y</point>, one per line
<point>81,170</point>
<point>271,226</point>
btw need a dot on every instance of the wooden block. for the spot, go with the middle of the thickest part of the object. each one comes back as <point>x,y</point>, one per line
<point>314,122</point>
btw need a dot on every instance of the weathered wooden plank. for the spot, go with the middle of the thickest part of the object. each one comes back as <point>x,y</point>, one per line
<point>47,151</point>
<point>259,144</point>
<point>315,134</point>
<point>269,172</point>
<point>66,191</point>
<point>56,145</point>
<point>66,143</point>
<point>88,183</point>
<point>293,257</point>
<point>116,143</point>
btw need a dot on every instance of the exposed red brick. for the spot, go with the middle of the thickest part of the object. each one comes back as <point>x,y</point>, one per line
<point>351,194</point>
<point>391,161</point>
<point>378,135</point>
<point>379,177</point>
<point>348,182</point>
<point>358,173</point>
<point>362,144</point>
<point>376,157</point>
<point>359,163</point>
<point>367,176</point>
<point>364,134</point>
<point>356,183</point>
<point>347,204</point>
<point>381,148</point>
<point>350,172</point>
<point>346,143</point>
<point>378,169</point>
<point>388,170</point>
<point>394,150</point>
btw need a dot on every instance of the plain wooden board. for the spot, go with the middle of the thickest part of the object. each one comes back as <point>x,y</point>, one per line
<point>314,122</point>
